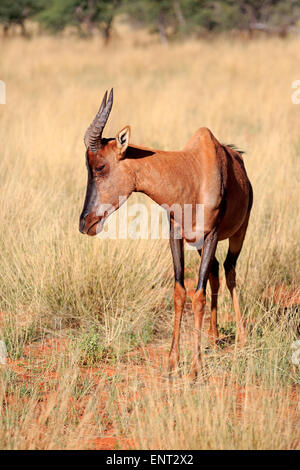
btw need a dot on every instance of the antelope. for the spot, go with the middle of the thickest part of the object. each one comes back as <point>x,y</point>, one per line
<point>204,172</point>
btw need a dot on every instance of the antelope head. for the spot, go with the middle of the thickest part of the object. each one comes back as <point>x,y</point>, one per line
<point>109,181</point>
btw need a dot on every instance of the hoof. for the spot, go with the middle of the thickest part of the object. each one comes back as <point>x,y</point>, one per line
<point>241,339</point>
<point>174,371</point>
<point>213,338</point>
<point>198,380</point>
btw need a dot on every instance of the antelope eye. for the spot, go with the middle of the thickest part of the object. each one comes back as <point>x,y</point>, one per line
<point>100,168</point>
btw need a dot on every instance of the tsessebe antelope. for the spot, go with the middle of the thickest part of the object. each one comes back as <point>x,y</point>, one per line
<point>204,172</point>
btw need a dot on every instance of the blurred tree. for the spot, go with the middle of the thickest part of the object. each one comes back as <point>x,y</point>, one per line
<point>168,18</point>
<point>241,14</point>
<point>17,11</point>
<point>86,15</point>
<point>171,17</point>
<point>160,16</point>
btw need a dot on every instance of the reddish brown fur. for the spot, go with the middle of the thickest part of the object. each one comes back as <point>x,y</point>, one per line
<point>204,172</point>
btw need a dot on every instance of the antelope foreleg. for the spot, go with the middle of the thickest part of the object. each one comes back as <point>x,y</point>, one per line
<point>179,299</point>
<point>214,282</point>
<point>199,299</point>
<point>179,295</point>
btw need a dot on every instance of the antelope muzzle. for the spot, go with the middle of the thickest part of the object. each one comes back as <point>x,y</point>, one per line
<point>88,223</point>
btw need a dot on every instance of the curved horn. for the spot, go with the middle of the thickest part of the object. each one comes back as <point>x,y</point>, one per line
<point>92,138</point>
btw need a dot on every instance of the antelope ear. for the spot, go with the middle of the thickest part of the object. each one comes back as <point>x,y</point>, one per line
<point>122,139</point>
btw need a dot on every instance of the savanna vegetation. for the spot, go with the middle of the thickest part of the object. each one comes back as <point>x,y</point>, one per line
<point>170,19</point>
<point>87,322</point>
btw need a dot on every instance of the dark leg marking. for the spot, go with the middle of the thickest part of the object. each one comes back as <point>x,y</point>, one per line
<point>179,296</point>
<point>199,299</point>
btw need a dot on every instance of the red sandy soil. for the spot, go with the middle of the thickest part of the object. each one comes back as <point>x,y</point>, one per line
<point>38,354</point>
<point>154,354</point>
<point>285,296</point>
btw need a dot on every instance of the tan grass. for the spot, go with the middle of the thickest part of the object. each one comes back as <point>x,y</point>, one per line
<point>62,280</point>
